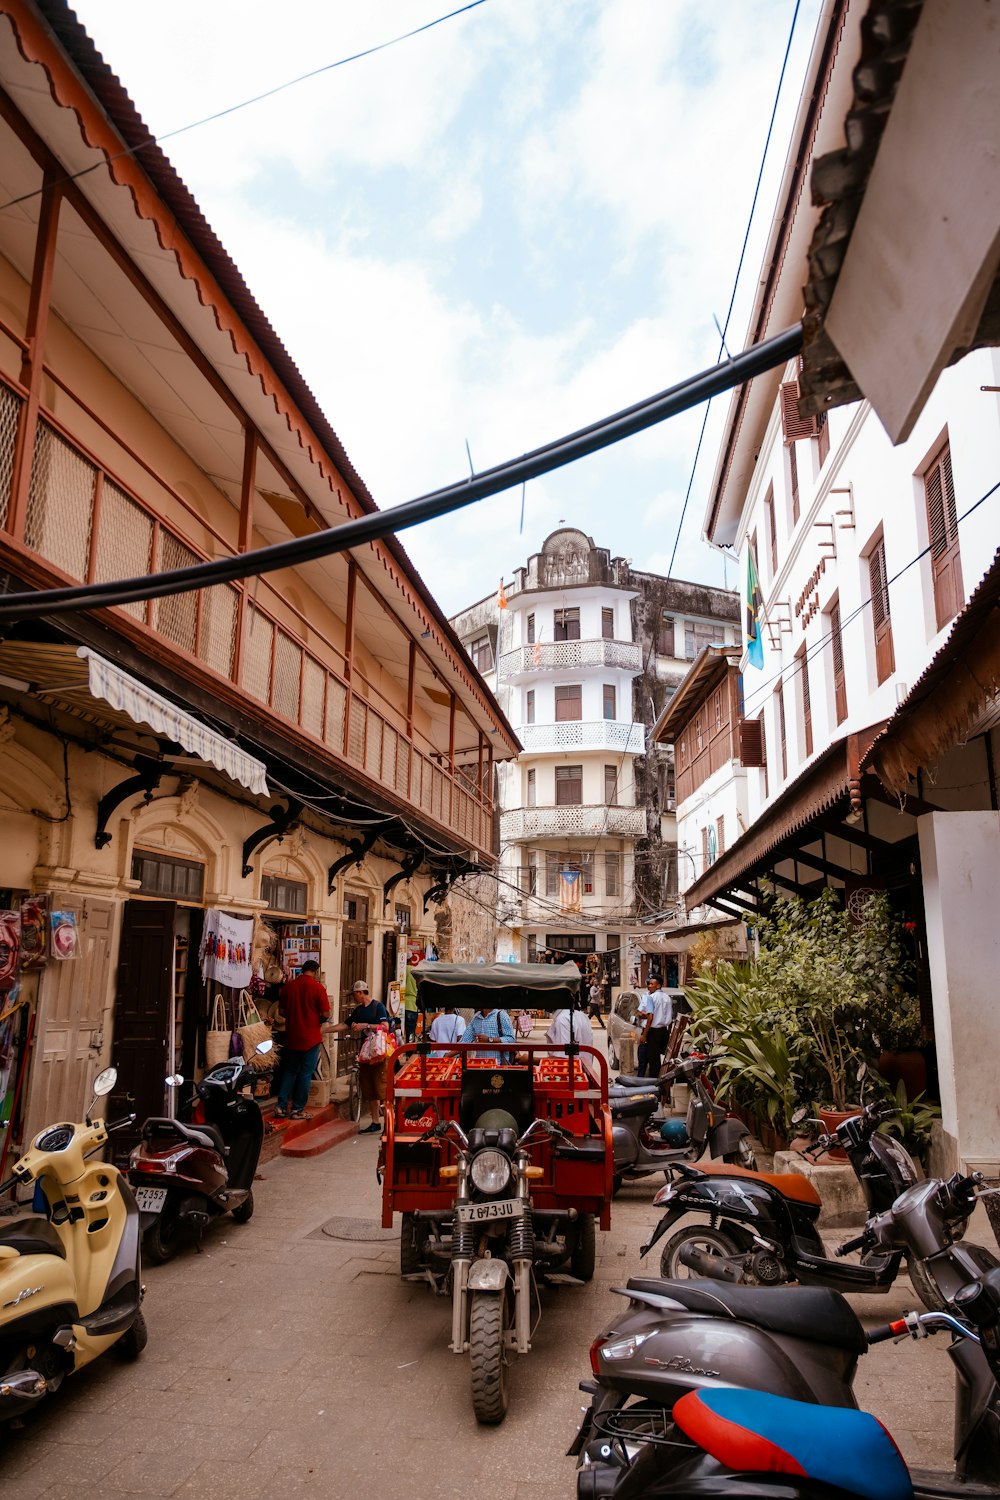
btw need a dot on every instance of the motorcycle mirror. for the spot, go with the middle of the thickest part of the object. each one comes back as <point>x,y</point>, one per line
<point>105,1082</point>
<point>799,1115</point>
<point>264,1047</point>
<point>174,1080</point>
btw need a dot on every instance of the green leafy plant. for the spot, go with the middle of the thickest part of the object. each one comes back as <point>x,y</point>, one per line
<point>914,1124</point>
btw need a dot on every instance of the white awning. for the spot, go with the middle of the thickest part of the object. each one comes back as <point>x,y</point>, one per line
<point>128,696</point>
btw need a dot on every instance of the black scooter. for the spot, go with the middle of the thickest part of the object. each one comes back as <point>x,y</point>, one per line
<point>761,1228</point>
<point>637,1141</point>
<point>186,1172</point>
<point>728,1443</point>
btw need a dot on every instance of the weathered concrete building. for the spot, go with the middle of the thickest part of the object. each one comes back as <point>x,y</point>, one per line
<point>582,657</point>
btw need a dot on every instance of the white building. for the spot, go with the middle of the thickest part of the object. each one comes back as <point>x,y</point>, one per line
<point>826,755</point>
<point>582,657</point>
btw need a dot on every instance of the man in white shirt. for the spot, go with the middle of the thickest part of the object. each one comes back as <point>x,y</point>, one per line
<point>559,1032</point>
<point>657,1009</point>
<point>447,1028</point>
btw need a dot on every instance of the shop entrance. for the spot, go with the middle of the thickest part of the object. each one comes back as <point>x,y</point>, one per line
<point>142,1007</point>
<point>354,955</point>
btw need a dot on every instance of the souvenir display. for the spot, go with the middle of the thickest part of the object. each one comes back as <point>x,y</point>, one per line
<point>34,931</point>
<point>10,948</point>
<point>64,934</point>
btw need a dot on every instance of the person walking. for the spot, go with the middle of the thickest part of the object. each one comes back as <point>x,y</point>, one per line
<point>595,1005</point>
<point>368,1015</point>
<point>487,1025</point>
<point>305,1005</point>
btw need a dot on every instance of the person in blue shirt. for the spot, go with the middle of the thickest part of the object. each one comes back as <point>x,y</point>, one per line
<point>488,1025</point>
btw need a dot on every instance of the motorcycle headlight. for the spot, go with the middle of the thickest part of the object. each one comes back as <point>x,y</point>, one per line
<point>490,1172</point>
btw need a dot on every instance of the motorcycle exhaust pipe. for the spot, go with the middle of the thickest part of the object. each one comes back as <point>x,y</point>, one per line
<point>712,1266</point>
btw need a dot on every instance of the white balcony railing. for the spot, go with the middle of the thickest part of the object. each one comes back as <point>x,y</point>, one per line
<point>523,824</point>
<point>560,656</point>
<point>581,734</point>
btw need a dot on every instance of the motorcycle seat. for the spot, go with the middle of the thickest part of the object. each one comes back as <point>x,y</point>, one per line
<point>789,1184</point>
<point>628,1106</point>
<point>198,1135</point>
<point>32,1235</point>
<point>815,1313</point>
<point>628,1081</point>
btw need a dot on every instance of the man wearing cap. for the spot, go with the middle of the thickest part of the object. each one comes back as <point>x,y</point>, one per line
<point>366,1016</point>
<point>305,1005</point>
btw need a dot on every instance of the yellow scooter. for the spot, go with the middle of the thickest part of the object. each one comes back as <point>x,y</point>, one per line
<point>70,1283</point>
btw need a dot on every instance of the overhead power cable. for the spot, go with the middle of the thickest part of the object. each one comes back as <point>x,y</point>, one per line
<point>771,353</point>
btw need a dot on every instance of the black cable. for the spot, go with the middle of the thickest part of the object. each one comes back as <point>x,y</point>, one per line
<point>772,352</point>
<point>153,140</point>
<point>736,279</point>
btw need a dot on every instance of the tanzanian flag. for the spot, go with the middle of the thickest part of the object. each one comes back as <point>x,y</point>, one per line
<point>755,605</point>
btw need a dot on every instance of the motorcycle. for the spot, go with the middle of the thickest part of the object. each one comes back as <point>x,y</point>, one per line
<point>640,1149</point>
<point>801,1343</point>
<point>733,1442</point>
<point>188,1172</point>
<point>762,1227</point>
<point>70,1282</point>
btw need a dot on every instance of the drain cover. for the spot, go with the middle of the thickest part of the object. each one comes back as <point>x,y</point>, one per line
<point>358,1229</point>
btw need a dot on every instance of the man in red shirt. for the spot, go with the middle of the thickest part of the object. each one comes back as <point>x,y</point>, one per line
<point>305,1006</point>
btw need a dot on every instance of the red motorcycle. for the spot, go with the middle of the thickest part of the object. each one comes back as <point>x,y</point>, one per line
<point>187,1172</point>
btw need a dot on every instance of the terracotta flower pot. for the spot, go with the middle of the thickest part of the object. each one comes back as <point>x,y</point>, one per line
<point>831,1119</point>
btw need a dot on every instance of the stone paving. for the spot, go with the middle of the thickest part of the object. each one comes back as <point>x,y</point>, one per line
<point>283,1360</point>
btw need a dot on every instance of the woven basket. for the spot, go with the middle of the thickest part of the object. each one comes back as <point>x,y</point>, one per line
<point>319,1089</point>
<point>219,1034</point>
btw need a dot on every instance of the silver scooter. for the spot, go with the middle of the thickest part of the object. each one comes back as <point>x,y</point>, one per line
<point>799,1342</point>
<point>638,1142</point>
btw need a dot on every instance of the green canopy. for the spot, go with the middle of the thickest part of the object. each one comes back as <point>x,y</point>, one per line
<point>506,986</point>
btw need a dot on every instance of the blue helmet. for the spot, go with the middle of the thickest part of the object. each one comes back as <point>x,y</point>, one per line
<point>674,1132</point>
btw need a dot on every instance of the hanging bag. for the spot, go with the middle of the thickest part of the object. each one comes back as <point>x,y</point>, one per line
<point>374,1048</point>
<point>252,1031</point>
<point>218,1035</point>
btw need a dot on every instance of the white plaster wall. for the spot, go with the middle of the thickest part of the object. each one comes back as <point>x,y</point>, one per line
<point>724,794</point>
<point>960,860</point>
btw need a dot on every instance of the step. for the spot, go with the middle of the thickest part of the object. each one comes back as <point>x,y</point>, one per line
<point>279,1131</point>
<point>320,1131</point>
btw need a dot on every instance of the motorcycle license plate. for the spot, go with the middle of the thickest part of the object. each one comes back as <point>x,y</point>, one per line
<point>150,1200</point>
<point>478,1213</point>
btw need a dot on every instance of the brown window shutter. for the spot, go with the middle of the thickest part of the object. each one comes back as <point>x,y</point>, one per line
<point>793,426</point>
<point>837,652</point>
<point>885,659</point>
<point>807,722</point>
<point>780,697</point>
<point>822,437</point>
<point>942,530</point>
<point>751,742</point>
<point>771,527</point>
<point>794,473</point>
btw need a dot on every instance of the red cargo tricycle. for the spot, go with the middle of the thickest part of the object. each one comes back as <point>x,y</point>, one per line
<point>498,1156</point>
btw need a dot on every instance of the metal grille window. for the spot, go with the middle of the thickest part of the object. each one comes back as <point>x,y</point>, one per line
<point>284,895</point>
<point>402,918</point>
<point>885,659</point>
<point>124,542</point>
<point>165,875</point>
<point>10,408</point>
<point>60,503</point>
<point>581,860</point>
<point>566,625</point>
<point>611,786</point>
<point>837,656</point>
<point>481,652</point>
<point>569,702</point>
<point>567,944</point>
<point>612,875</point>
<point>607,624</point>
<point>569,786</point>
<point>608,701</point>
<point>720,833</point>
<point>942,532</point>
<point>177,616</point>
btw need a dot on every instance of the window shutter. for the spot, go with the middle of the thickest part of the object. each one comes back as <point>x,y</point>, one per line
<point>793,426</point>
<point>793,469</point>
<point>837,653</point>
<point>942,530</point>
<point>885,658</point>
<point>751,742</point>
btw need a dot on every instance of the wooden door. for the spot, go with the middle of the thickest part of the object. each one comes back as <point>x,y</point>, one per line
<point>354,950</point>
<point>145,976</point>
<point>69,1032</point>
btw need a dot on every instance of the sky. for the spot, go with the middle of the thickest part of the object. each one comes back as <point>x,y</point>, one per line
<point>488,235</point>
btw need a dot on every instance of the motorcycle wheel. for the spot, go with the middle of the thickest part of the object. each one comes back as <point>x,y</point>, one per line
<point>245,1210</point>
<point>743,1156</point>
<point>612,1054</point>
<point>924,1287</point>
<point>711,1240</point>
<point>488,1356</point>
<point>584,1257</point>
<point>354,1095</point>
<point>411,1247</point>
<point>132,1343</point>
<point>163,1238</point>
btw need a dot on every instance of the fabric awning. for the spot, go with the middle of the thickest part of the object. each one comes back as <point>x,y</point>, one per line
<point>512,986</point>
<point>87,685</point>
<point>143,706</point>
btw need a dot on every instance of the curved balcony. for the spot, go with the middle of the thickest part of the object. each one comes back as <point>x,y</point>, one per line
<point>570,656</point>
<point>583,734</point>
<point>526,824</point>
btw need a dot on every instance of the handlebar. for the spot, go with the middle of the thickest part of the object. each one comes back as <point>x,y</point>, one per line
<point>919,1326</point>
<point>862,1241</point>
<point>119,1124</point>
